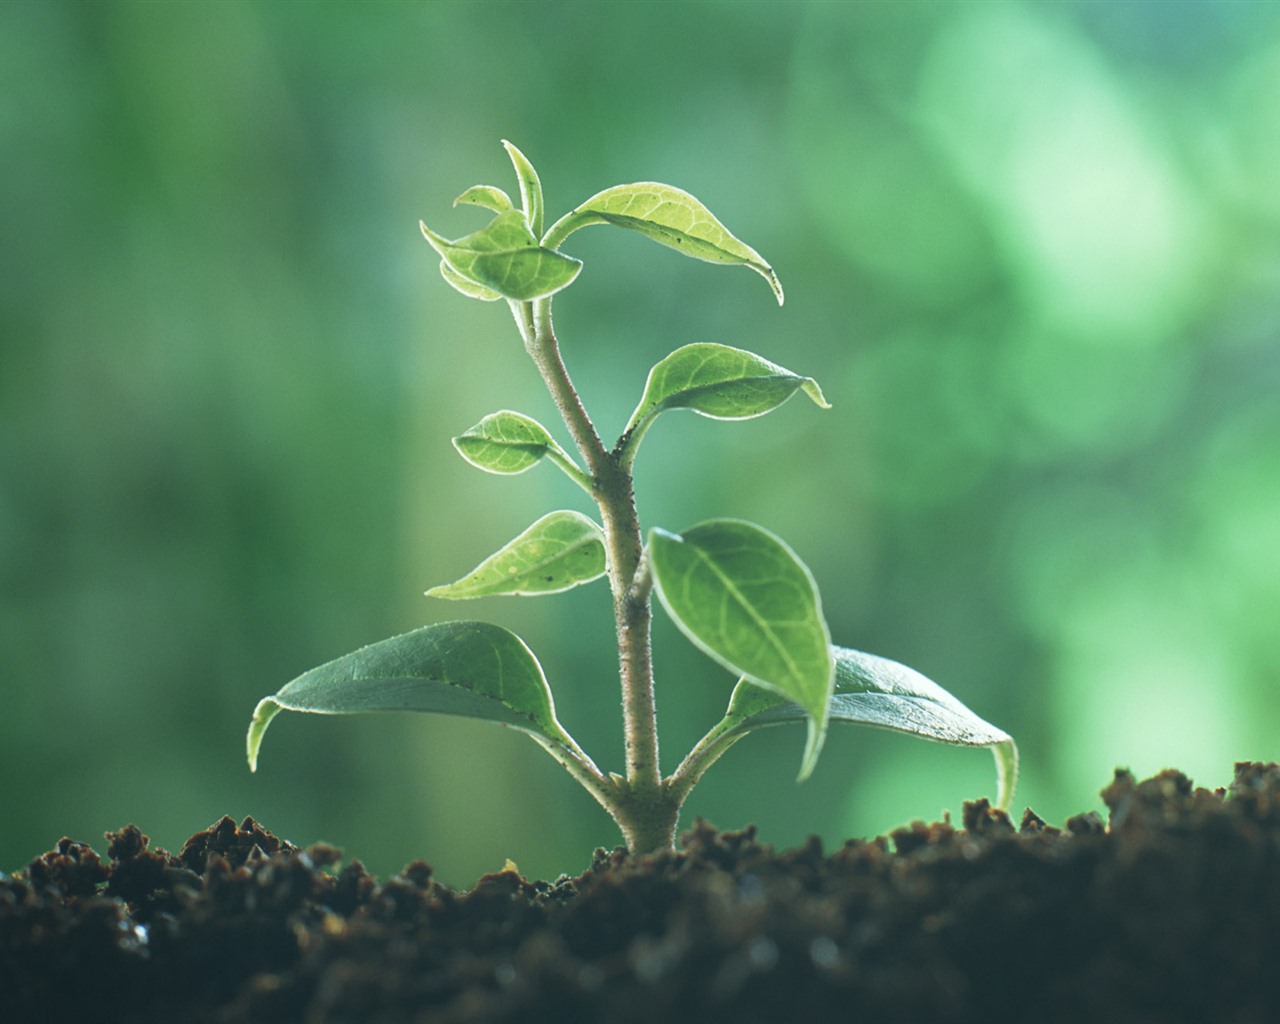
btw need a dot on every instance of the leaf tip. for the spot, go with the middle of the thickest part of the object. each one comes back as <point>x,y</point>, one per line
<point>812,389</point>
<point>812,747</point>
<point>266,710</point>
<point>666,535</point>
<point>770,275</point>
<point>517,157</point>
<point>436,241</point>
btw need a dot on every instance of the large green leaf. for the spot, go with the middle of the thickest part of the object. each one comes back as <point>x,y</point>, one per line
<point>559,551</point>
<point>718,381</point>
<point>871,690</point>
<point>473,669</point>
<point>509,442</point>
<point>505,258</point>
<point>742,595</point>
<point>668,215</point>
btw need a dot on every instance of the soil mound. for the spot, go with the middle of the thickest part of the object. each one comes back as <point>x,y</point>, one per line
<point>1169,912</point>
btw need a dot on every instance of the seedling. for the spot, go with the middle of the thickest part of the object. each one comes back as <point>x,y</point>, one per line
<point>733,588</point>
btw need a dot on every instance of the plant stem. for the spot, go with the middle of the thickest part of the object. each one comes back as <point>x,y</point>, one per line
<point>706,752</point>
<point>645,811</point>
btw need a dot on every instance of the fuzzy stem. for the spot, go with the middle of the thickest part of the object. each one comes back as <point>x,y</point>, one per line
<point>645,812</point>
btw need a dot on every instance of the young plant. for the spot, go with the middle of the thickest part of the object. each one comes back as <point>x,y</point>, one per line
<point>733,588</point>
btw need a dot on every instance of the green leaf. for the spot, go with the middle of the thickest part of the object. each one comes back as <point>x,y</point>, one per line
<point>505,258</point>
<point>510,442</point>
<point>472,669</point>
<point>486,196</point>
<point>530,187</point>
<point>559,551</point>
<point>717,381</point>
<point>669,216</point>
<point>742,595</point>
<point>471,289</point>
<point>871,690</point>
<point>506,442</point>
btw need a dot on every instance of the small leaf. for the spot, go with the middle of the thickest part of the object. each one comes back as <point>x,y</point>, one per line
<point>473,669</point>
<point>506,258</point>
<point>717,381</point>
<point>742,595</point>
<point>870,690</point>
<point>505,442</point>
<point>487,196</point>
<point>559,551</point>
<point>669,216</point>
<point>510,442</point>
<point>471,289</point>
<point>530,187</point>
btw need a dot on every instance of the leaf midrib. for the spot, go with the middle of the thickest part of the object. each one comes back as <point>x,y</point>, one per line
<point>731,589</point>
<point>646,226</point>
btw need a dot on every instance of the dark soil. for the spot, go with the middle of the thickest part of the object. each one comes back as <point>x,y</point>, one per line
<point>1170,913</point>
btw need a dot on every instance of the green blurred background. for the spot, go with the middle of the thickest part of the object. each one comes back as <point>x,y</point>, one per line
<point>1031,252</point>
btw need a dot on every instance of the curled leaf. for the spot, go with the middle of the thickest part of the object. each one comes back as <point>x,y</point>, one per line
<point>530,187</point>
<point>870,690</point>
<point>671,217</point>
<point>561,550</point>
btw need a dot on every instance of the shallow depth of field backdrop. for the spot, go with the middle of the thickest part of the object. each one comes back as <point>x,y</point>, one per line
<point>1031,252</point>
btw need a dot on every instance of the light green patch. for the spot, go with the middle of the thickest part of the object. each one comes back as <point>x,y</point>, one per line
<point>561,550</point>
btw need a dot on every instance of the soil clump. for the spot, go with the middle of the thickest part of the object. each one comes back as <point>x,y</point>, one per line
<point>1169,912</point>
